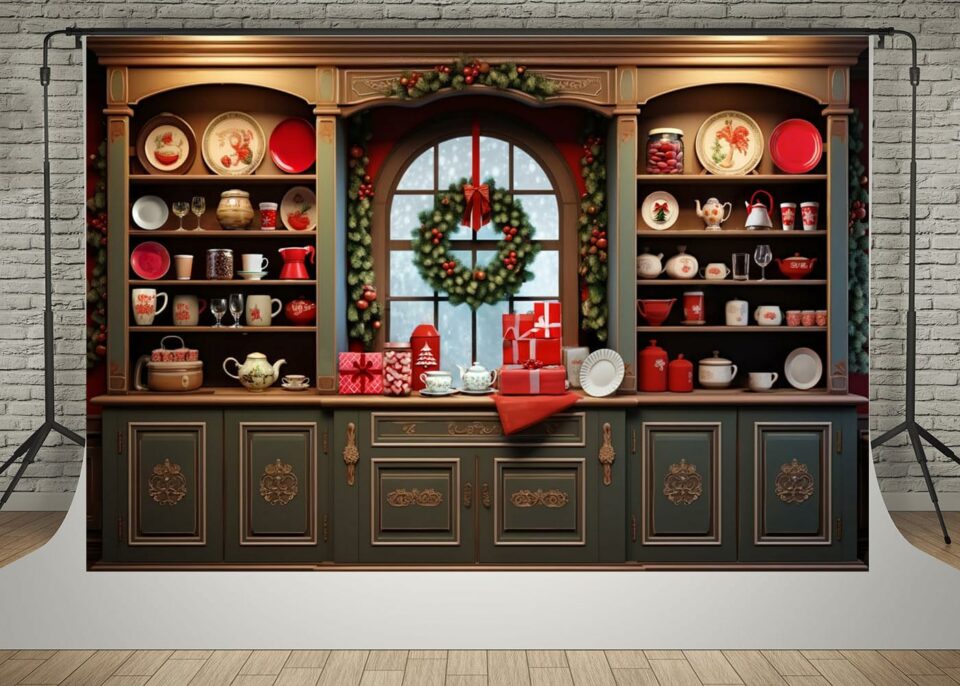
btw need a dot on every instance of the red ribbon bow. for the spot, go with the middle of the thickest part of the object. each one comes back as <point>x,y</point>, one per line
<point>660,206</point>
<point>362,371</point>
<point>476,195</point>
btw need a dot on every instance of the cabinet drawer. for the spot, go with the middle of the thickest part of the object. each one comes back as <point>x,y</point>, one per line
<point>415,501</point>
<point>471,428</point>
<point>539,501</point>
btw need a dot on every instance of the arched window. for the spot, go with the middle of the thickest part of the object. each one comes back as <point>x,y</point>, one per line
<point>415,173</point>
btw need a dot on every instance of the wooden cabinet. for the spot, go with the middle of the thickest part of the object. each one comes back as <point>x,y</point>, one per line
<point>278,486</point>
<point>798,485</point>
<point>162,484</point>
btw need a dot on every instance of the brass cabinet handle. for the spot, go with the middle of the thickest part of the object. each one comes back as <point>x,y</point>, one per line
<point>485,495</point>
<point>607,455</point>
<point>467,495</point>
<point>350,453</point>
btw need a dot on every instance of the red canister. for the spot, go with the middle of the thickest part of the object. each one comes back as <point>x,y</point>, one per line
<point>680,375</point>
<point>694,310</point>
<point>425,349</point>
<point>652,364</point>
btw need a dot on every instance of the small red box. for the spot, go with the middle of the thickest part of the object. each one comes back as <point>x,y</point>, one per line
<point>546,320</point>
<point>360,373</point>
<point>517,326</point>
<point>515,380</point>
<point>546,350</point>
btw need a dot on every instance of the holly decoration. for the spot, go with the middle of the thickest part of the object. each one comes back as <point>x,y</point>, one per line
<point>592,232</point>
<point>97,259</point>
<point>858,251</point>
<point>363,310</point>
<point>464,72</point>
<point>502,277</point>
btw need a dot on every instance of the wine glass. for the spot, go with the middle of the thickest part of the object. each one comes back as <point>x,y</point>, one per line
<point>198,205</point>
<point>218,306</point>
<point>236,308</point>
<point>180,209</point>
<point>762,256</point>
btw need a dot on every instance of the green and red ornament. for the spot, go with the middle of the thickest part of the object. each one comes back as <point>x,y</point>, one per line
<point>464,72</point>
<point>592,232</point>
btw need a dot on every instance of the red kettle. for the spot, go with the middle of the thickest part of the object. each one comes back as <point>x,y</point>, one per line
<point>294,262</point>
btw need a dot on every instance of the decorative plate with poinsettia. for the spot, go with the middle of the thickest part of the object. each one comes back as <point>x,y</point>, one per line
<point>729,143</point>
<point>233,144</point>
<point>298,209</point>
<point>166,145</point>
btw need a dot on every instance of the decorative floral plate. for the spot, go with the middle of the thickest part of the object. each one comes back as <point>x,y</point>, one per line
<point>233,144</point>
<point>729,143</point>
<point>659,210</point>
<point>293,145</point>
<point>796,146</point>
<point>298,209</point>
<point>166,145</point>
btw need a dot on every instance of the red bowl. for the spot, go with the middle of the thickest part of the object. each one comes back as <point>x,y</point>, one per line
<point>150,260</point>
<point>655,311</point>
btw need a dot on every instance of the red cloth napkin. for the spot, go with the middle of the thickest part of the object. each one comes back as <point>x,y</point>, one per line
<point>517,412</point>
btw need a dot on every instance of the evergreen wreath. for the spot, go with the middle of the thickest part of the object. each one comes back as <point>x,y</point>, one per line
<point>858,252</point>
<point>363,310</point>
<point>464,72</point>
<point>592,231</point>
<point>502,277</point>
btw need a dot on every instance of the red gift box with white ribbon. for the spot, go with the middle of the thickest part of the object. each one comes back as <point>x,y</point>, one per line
<point>360,373</point>
<point>517,326</point>
<point>546,350</point>
<point>546,320</point>
<point>516,379</point>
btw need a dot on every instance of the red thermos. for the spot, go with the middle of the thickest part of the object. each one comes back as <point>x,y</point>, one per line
<point>680,375</point>
<point>652,363</point>
<point>425,350</point>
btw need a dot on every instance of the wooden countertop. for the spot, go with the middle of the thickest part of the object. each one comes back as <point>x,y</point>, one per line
<point>279,397</point>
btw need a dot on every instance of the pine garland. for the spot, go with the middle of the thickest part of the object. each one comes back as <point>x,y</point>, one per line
<point>858,250</point>
<point>592,231</point>
<point>502,277</point>
<point>464,72</point>
<point>97,251</point>
<point>363,310</point>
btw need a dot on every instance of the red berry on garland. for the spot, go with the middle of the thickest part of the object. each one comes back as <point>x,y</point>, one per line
<point>480,276</point>
<point>468,80</point>
<point>592,209</point>
<point>521,69</point>
<point>602,243</point>
<point>513,253</point>
<point>362,305</point>
<point>356,152</point>
<point>100,350</point>
<point>484,67</point>
<point>375,324</point>
<point>370,295</point>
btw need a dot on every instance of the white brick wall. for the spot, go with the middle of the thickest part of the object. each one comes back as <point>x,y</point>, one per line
<point>937,23</point>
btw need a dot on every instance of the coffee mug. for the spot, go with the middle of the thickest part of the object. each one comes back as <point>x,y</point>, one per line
<point>762,381</point>
<point>187,309</point>
<point>144,302</point>
<point>437,381</point>
<point>573,359</point>
<point>261,309</point>
<point>793,318</point>
<point>294,380</point>
<point>821,317</point>
<point>808,318</point>
<point>809,212</point>
<point>254,262</point>
<point>694,310</point>
<point>788,215</point>
<point>737,313</point>
<point>715,271</point>
<point>768,315</point>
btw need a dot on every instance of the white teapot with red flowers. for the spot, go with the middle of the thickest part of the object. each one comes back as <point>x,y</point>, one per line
<point>682,265</point>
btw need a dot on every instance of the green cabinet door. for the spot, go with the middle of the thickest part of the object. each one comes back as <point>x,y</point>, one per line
<point>682,491</point>
<point>278,486</point>
<point>798,486</point>
<point>162,485</point>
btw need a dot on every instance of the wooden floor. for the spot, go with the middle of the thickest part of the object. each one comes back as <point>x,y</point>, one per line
<point>23,532</point>
<point>923,531</point>
<point>479,668</point>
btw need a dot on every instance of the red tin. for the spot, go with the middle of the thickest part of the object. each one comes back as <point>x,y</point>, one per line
<point>652,364</point>
<point>680,375</point>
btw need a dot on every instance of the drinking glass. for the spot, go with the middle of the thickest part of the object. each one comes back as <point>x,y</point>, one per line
<point>198,205</point>
<point>218,306</point>
<point>762,256</point>
<point>180,209</point>
<point>236,308</point>
<point>741,266</point>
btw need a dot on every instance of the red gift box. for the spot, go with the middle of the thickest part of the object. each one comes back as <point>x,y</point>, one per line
<point>517,326</point>
<point>546,350</point>
<point>517,380</point>
<point>360,373</point>
<point>546,320</point>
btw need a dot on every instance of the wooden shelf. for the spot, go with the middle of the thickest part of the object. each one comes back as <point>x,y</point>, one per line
<point>221,233</point>
<point>232,284</point>
<point>728,233</point>
<point>226,328</point>
<point>730,329</point>
<point>731,282</point>
<point>717,179</point>
<point>171,179</point>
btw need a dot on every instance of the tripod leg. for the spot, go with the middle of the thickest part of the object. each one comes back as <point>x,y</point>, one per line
<point>67,433</point>
<point>27,461</point>
<point>936,443</point>
<point>883,438</point>
<point>24,447</point>
<point>922,459</point>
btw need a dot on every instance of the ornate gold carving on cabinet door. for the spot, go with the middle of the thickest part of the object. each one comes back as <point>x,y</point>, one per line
<point>351,455</point>
<point>278,484</point>
<point>402,497</point>
<point>607,455</point>
<point>167,485</point>
<point>551,498</point>
<point>682,485</point>
<point>794,484</point>
<point>473,429</point>
<point>467,495</point>
<point>485,495</point>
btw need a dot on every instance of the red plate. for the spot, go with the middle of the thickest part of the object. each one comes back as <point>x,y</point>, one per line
<point>150,260</point>
<point>796,146</point>
<point>293,146</point>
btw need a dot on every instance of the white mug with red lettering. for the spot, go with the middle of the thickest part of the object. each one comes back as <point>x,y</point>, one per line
<point>144,303</point>
<point>809,212</point>
<point>187,309</point>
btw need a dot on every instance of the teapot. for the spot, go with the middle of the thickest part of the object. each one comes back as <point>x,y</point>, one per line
<point>649,266</point>
<point>758,214</point>
<point>476,377</point>
<point>682,265</point>
<point>714,213</point>
<point>256,374</point>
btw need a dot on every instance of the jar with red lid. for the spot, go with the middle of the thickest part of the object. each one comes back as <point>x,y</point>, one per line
<point>665,151</point>
<point>652,365</point>
<point>680,375</point>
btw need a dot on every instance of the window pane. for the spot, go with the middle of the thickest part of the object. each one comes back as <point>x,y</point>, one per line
<point>454,160</point>
<point>546,276</point>
<point>405,280</point>
<point>454,328</point>
<point>528,175</point>
<point>544,214</point>
<point>419,175</point>
<point>404,213</point>
<point>489,334</point>
<point>494,161</point>
<point>405,316</point>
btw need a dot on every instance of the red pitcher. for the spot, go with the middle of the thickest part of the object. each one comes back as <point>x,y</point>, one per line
<point>294,262</point>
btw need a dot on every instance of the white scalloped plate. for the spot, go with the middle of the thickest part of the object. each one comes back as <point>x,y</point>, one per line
<point>601,373</point>
<point>803,369</point>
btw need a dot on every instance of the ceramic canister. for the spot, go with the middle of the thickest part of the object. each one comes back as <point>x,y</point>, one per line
<point>680,375</point>
<point>652,367</point>
<point>737,313</point>
<point>694,309</point>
